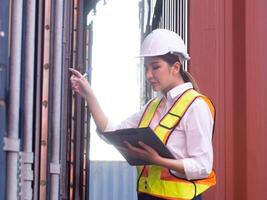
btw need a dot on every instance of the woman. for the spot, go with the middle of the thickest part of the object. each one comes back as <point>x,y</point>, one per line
<point>181,117</point>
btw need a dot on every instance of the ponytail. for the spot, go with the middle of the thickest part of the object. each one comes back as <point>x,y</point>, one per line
<point>189,78</point>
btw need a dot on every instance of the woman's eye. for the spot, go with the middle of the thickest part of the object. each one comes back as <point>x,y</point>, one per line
<point>155,67</point>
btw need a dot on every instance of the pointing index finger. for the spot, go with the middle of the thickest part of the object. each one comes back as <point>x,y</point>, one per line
<point>75,72</point>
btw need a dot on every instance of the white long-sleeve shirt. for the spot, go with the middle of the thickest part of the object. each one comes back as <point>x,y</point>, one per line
<point>191,141</point>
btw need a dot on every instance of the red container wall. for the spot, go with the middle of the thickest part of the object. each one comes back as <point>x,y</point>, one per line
<point>228,45</point>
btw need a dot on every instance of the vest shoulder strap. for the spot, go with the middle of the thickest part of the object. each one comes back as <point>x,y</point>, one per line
<point>173,117</point>
<point>149,112</point>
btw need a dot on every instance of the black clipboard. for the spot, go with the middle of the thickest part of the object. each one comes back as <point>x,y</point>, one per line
<point>133,136</point>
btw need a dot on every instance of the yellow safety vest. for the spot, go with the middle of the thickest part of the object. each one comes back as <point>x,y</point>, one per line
<point>159,181</point>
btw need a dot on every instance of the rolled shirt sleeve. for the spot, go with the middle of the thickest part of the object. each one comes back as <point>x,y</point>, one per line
<point>198,124</point>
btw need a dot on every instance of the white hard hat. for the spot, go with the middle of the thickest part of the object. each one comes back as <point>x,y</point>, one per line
<point>163,41</point>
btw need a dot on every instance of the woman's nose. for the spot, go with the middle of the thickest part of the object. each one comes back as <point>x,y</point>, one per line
<point>148,73</point>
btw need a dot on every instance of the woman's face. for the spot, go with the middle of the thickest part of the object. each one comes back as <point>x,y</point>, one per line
<point>162,76</point>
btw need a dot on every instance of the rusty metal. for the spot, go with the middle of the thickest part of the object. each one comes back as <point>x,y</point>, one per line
<point>66,108</point>
<point>36,103</point>
<point>73,110</point>
<point>45,98</point>
<point>79,103</point>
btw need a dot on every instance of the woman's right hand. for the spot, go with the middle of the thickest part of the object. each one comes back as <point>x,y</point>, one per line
<point>79,83</point>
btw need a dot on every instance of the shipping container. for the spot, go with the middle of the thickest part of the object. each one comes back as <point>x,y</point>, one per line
<point>113,180</point>
<point>228,48</point>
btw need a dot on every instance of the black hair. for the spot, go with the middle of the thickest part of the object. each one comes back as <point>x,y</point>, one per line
<point>187,77</point>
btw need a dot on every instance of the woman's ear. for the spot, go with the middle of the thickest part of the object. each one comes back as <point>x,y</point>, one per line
<point>176,67</point>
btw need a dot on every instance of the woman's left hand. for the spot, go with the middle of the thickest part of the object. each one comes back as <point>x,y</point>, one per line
<point>147,153</point>
<point>143,152</point>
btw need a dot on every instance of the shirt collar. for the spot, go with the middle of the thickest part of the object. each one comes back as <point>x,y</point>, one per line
<point>178,90</point>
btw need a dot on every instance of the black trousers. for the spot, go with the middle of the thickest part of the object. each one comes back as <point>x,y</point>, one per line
<point>149,197</point>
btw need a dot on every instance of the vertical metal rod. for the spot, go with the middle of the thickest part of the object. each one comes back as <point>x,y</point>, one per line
<point>179,14</point>
<point>45,103</point>
<point>4,36</point>
<point>185,21</point>
<point>87,124</point>
<point>14,99</point>
<point>170,13</point>
<point>168,16</point>
<point>65,123</point>
<point>29,71</point>
<point>56,114</point>
<point>38,76</point>
<point>163,14</point>
<point>181,19</point>
<point>89,65</point>
<point>79,102</point>
<point>186,28</point>
<point>175,16</point>
<point>73,108</point>
<point>171,16</point>
<point>28,100</point>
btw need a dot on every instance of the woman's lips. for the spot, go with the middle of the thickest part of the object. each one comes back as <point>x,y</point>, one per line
<point>154,83</point>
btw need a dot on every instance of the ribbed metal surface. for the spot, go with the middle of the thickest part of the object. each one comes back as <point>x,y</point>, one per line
<point>175,18</point>
<point>112,181</point>
<point>40,127</point>
<point>228,48</point>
